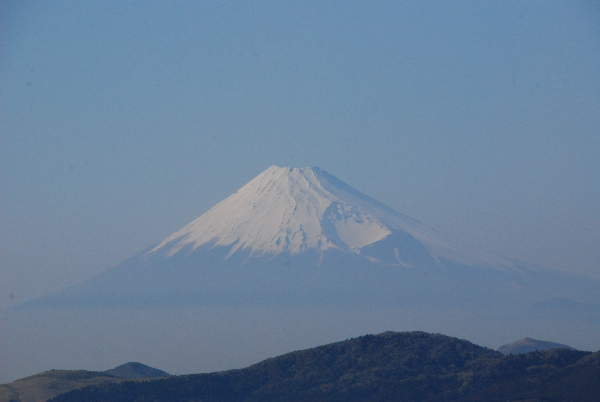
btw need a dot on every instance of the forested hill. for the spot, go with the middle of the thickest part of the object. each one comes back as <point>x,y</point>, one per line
<point>409,366</point>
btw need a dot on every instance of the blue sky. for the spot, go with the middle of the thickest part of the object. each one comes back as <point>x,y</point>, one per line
<point>122,121</point>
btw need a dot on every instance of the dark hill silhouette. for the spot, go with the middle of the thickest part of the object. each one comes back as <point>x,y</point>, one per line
<point>136,370</point>
<point>408,366</point>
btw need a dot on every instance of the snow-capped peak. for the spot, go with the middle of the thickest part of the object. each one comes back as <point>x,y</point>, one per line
<point>292,210</point>
<point>282,209</point>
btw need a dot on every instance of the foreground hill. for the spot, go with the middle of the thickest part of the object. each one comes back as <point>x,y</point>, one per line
<point>409,366</point>
<point>42,386</point>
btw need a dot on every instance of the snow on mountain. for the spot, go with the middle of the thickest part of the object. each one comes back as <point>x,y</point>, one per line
<point>296,209</point>
<point>282,209</point>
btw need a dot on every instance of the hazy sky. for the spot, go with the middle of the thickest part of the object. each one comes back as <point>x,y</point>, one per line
<point>122,121</point>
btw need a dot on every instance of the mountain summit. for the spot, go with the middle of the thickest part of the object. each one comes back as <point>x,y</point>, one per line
<point>286,210</point>
<point>292,210</point>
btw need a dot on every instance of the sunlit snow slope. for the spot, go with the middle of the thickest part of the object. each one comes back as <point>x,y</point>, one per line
<point>292,210</point>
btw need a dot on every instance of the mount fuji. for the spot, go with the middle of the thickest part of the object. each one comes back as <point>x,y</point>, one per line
<point>297,236</point>
<point>292,211</point>
<point>293,259</point>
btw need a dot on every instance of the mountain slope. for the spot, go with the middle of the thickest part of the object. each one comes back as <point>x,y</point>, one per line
<point>409,366</point>
<point>42,386</point>
<point>294,210</point>
<point>302,235</point>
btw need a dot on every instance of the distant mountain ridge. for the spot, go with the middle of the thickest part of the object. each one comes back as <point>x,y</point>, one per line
<point>408,366</point>
<point>42,386</point>
<point>136,370</point>
<point>526,345</point>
